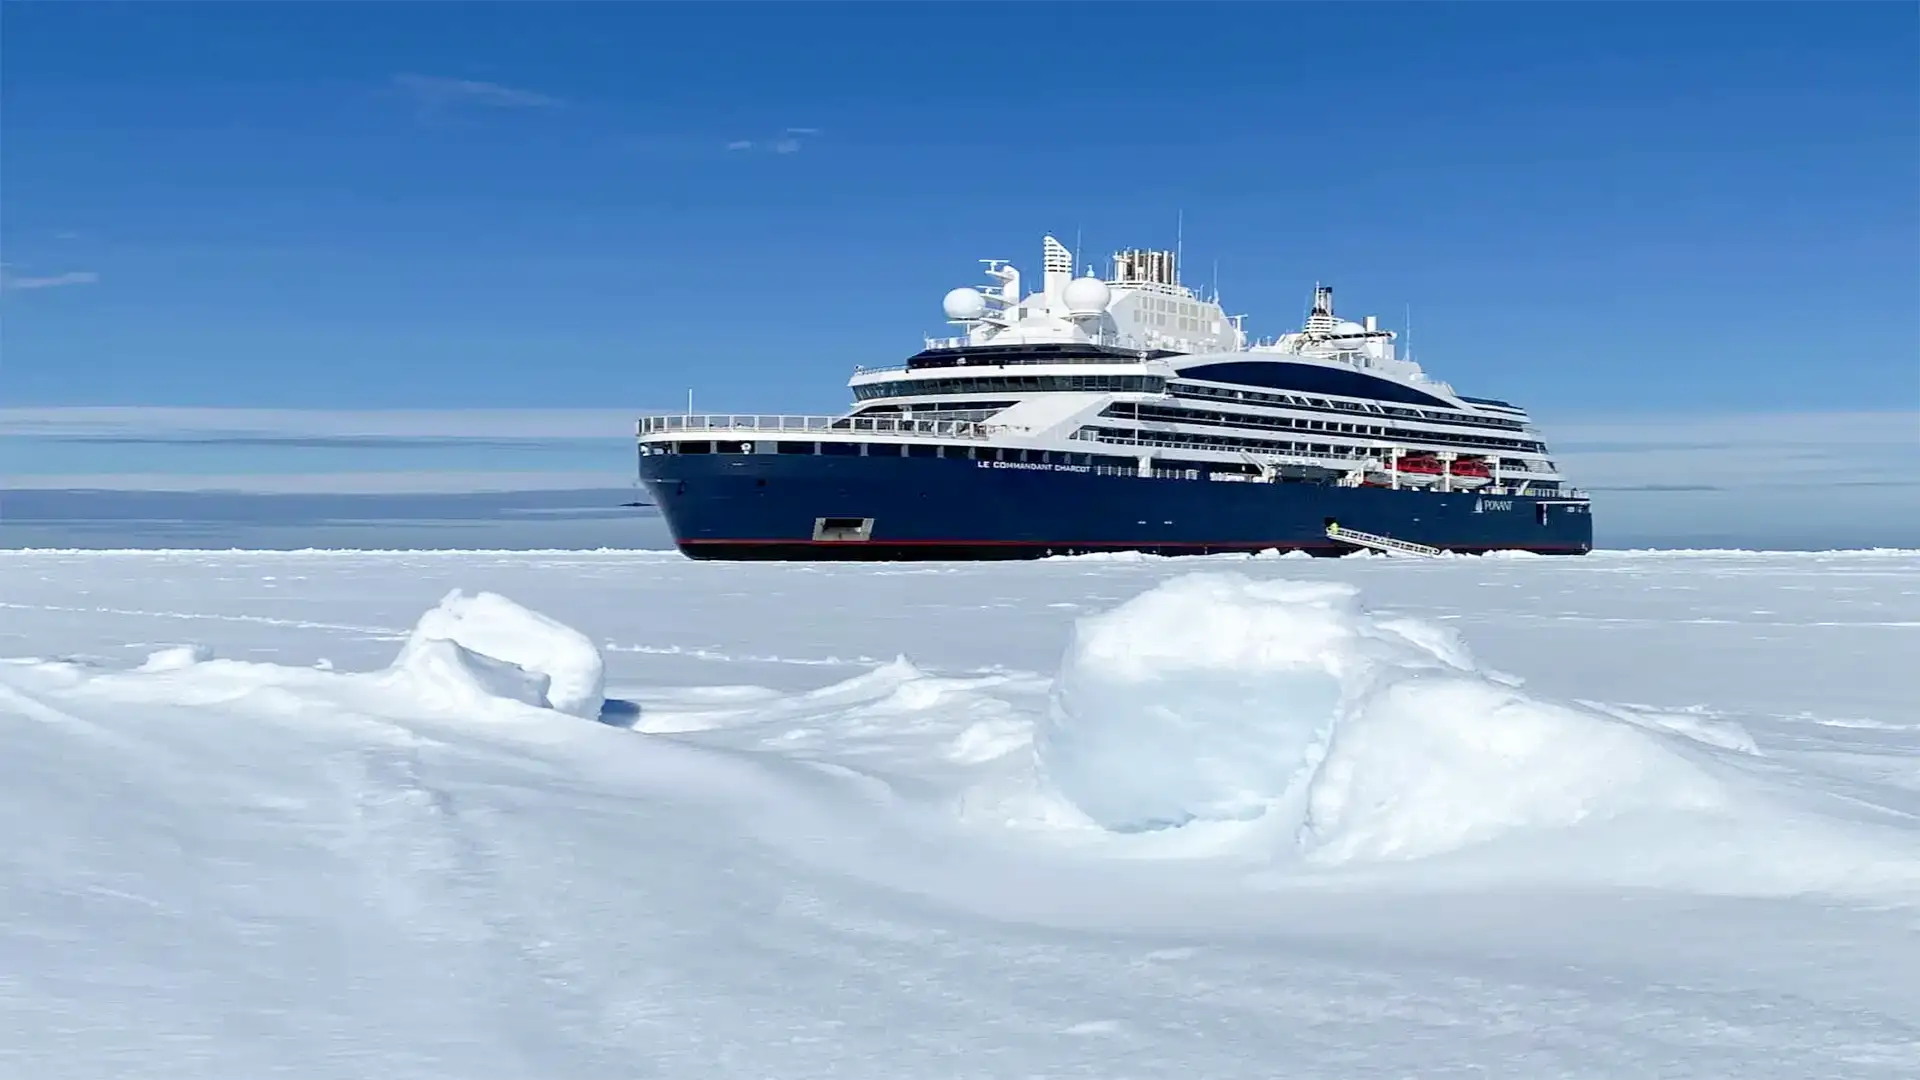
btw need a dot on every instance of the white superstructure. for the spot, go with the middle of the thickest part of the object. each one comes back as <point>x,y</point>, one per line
<point>1137,369</point>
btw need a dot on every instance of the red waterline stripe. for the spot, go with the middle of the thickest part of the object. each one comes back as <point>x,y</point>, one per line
<point>1261,544</point>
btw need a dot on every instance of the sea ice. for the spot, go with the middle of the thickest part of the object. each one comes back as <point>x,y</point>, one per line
<point>800,859</point>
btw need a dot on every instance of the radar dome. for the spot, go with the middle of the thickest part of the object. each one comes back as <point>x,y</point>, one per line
<point>964,305</point>
<point>1349,328</point>
<point>1087,296</point>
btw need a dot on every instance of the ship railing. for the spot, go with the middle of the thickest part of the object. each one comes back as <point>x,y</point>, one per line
<point>773,424</point>
<point>981,363</point>
<point>1101,337</point>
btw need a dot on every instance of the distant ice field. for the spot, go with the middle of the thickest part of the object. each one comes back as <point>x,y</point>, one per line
<point>586,814</point>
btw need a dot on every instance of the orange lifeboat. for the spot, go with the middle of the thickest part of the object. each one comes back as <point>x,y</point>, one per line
<point>1470,473</point>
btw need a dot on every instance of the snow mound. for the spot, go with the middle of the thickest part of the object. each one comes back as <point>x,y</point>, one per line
<point>485,645</point>
<point>449,676</point>
<point>176,658</point>
<point>1218,698</point>
<point>470,656</point>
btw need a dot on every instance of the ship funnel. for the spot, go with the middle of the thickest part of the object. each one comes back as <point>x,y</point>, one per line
<point>1156,267</point>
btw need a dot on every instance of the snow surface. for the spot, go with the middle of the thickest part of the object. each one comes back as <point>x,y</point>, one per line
<point>622,814</point>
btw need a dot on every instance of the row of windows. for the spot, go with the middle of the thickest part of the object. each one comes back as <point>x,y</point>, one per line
<point>1002,384</point>
<point>935,410</point>
<point>1171,414</point>
<point>970,416</point>
<point>1225,443</point>
<point>1180,322</point>
<point>1190,390</point>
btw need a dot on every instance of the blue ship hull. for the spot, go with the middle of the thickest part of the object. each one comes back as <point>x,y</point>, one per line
<point>805,506</point>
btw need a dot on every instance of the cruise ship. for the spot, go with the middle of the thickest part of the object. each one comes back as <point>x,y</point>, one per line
<point>1124,413</point>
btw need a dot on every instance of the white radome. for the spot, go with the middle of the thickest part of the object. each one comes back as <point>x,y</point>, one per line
<point>964,305</point>
<point>1087,296</point>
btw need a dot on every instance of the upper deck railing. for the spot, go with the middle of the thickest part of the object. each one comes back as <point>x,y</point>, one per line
<point>760,424</point>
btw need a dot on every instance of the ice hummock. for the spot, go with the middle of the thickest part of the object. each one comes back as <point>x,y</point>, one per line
<point>470,648</point>
<point>1217,697</point>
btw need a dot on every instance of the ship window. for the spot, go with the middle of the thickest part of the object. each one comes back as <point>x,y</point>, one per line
<point>922,450</point>
<point>696,446</point>
<point>843,449</point>
<point>883,449</point>
<point>987,453</point>
<point>953,452</point>
<point>795,447</point>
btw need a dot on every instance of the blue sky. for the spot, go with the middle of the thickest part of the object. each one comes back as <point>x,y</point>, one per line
<point>1620,215</point>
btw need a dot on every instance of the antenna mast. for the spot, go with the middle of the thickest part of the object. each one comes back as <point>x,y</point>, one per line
<point>1179,241</point>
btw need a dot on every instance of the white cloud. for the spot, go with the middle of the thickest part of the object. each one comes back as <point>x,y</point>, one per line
<point>789,141</point>
<point>432,93</point>
<point>11,283</point>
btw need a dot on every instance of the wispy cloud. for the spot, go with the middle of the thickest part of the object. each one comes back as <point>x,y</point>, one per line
<point>1821,479</point>
<point>397,482</point>
<point>1738,451</point>
<point>433,95</point>
<point>788,141</point>
<point>193,424</point>
<point>11,283</point>
<point>313,451</point>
